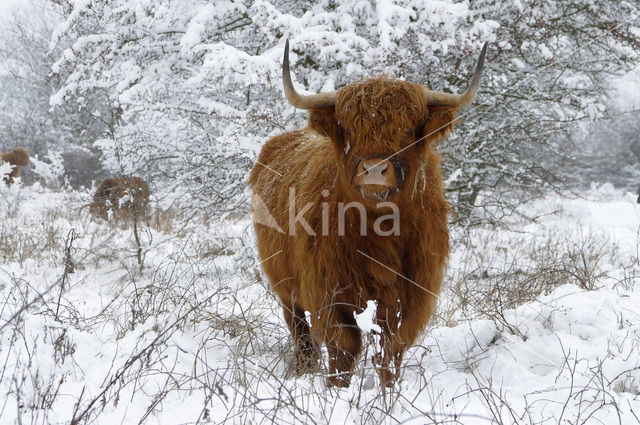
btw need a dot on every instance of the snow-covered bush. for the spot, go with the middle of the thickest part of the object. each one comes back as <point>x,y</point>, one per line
<point>51,172</point>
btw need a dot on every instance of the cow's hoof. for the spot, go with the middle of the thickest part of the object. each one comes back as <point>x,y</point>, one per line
<point>387,378</point>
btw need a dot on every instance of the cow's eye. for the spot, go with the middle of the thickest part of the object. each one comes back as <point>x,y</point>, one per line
<point>408,131</point>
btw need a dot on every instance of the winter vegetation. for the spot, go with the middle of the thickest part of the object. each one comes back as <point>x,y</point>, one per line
<point>164,314</point>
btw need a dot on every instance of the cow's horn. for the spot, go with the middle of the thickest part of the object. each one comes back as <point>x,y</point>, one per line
<point>438,98</point>
<point>314,101</point>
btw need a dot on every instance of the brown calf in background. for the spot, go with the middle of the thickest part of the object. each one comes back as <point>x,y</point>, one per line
<point>125,197</point>
<point>18,158</point>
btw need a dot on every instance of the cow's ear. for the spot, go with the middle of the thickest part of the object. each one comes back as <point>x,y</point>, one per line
<point>325,122</point>
<point>438,123</point>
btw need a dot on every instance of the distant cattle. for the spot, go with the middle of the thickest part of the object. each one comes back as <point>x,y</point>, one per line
<point>18,158</point>
<point>331,242</point>
<point>120,198</point>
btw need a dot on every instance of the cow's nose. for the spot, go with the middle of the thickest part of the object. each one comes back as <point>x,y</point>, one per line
<point>375,168</point>
<point>376,172</point>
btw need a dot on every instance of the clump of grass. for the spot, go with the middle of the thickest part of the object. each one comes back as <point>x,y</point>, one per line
<point>494,278</point>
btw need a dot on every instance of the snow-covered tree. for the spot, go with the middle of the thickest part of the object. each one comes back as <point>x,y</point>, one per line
<point>194,86</point>
<point>551,67</point>
<point>63,135</point>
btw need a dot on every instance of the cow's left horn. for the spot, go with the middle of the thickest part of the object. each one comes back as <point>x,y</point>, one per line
<point>438,98</point>
<point>314,101</point>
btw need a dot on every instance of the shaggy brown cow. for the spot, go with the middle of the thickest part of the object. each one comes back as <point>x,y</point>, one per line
<point>368,142</point>
<point>18,158</point>
<point>124,196</point>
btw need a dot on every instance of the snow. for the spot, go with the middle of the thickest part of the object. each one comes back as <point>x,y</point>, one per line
<point>366,320</point>
<point>5,170</point>
<point>626,93</point>
<point>214,346</point>
<point>573,339</point>
<point>546,52</point>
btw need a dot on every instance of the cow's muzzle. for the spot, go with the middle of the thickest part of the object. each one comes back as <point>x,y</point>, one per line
<point>376,178</point>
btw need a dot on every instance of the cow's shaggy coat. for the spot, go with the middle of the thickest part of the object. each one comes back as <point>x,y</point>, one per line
<point>327,276</point>
<point>18,158</point>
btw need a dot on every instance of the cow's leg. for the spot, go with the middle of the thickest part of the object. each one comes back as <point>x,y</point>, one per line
<point>388,358</point>
<point>402,324</point>
<point>307,353</point>
<point>344,343</point>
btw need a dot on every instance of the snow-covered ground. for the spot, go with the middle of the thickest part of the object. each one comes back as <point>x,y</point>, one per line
<point>538,324</point>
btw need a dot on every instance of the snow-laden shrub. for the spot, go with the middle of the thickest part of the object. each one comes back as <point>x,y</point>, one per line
<point>50,172</point>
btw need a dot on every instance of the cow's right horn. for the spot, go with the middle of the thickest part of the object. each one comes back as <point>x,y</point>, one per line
<point>314,101</point>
